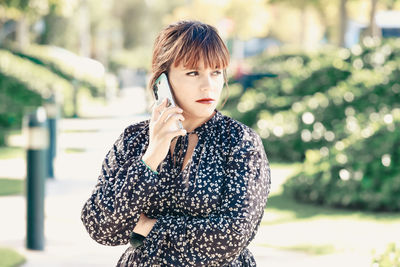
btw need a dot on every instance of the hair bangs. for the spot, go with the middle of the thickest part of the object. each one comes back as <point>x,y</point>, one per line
<point>202,46</point>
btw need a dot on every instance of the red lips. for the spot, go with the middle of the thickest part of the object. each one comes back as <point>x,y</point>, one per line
<point>205,100</point>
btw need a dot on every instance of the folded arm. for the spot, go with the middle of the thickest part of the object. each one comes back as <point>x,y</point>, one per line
<point>123,189</point>
<point>220,237</point>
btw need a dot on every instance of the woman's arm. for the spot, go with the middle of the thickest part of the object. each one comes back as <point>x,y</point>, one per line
<point>219,238</point>
<point>124,187</point>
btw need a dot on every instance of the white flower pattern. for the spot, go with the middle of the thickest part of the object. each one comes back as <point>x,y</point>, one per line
<point>207,214</point>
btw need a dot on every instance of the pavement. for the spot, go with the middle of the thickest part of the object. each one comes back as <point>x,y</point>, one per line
<point>66,241</point>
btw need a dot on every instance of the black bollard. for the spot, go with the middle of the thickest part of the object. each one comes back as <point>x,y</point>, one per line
<point>52,114</point>
<point>37,148</point>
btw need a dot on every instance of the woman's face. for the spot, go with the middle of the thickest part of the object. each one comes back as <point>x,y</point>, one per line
<point>190,86</point>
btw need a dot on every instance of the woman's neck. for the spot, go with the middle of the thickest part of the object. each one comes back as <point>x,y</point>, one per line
<point>190,123</point>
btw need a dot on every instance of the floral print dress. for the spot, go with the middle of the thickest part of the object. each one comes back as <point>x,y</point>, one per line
<point>207,213</point>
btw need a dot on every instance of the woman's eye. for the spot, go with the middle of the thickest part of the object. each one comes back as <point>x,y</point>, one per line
<point>192,73</point>
<point>217,72</point>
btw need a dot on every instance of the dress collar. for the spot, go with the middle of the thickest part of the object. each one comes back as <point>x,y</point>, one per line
<point>208,125</point>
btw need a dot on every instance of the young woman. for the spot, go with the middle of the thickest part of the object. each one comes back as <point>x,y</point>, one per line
<point>183,197</point>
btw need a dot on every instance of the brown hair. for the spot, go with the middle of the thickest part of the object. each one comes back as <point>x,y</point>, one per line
<point>188,42</point>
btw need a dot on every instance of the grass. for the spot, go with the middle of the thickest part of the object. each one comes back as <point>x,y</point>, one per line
<point>309,249</point>
<point>314,250</point>
<point>10,258</point>
<point>317,230</point>
<point>288,210</point>
<point>18,152</point>
<point>74,150</point>
<point>11,152</point>
<point>11,187</point>
<point>81,131</point>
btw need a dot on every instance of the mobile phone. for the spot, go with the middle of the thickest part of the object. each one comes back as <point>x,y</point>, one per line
<point>162,89</point>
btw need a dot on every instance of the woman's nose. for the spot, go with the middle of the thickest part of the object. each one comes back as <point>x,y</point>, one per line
<point>206,83</point>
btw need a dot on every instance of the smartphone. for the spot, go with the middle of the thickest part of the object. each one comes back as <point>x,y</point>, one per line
<point>162,89</point>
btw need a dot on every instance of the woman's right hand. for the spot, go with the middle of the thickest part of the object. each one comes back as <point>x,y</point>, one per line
<point>162,120</point>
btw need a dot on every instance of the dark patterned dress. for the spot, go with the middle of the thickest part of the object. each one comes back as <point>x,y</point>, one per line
<point>207,213</point>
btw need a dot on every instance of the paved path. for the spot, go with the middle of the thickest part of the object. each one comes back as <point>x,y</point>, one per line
<point>67,243</point>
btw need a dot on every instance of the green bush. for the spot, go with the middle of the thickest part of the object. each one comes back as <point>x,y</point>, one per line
<point>323,118</point>
<point>338,116</point>
<point>389,258</point>
<point>270,106</point>
<point>372,53</point>
<point>87,72</point>
<point>361,171</point>
<point>330,94</point>
<point>23,86</point>
<point>15,100</point>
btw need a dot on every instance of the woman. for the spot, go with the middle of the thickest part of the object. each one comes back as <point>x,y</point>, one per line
<point>196,195</point>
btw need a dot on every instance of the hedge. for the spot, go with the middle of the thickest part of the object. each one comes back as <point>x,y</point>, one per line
<point>69,66</point>
<point>23,86</point>
<point>361,171</point>
<point>339,117</point>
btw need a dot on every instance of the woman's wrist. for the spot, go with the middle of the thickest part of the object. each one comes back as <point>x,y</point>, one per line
<point>150,163</point>
<point>148,226</point>
<point>144,225</point>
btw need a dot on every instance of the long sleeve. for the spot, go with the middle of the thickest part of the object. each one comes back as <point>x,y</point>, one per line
<point>124,187</point>
<point>219,238</point>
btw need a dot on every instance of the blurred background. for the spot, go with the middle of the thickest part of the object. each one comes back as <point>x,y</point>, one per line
<point>317,79</point>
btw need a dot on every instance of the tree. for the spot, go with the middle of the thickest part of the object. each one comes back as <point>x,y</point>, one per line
<point>373,30</point>
<point>237,20</point>
<point>25,12</point>
<point>302,6</point>
<point>343,22</point>
<point>142,20</point>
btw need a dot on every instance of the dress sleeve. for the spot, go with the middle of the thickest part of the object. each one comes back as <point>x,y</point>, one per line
<point>123,188</point>
<point>219,238</point>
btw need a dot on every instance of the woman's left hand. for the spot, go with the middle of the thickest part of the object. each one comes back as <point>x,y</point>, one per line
<point>144,225</point>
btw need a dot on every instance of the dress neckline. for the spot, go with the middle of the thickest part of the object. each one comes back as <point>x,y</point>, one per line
<point>208,124</point>
<point>202,131</point>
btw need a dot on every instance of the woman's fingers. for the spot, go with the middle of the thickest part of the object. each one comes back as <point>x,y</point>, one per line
<point>157,110</point>
<point>168,112</point>
<point>162,130</point>
<point>167,118</point>
<point>172,121</point>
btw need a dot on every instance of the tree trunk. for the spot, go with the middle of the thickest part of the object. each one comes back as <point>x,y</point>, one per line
<point>373,28</point>
<point>100,46</point>
<point>84,30</point>
<point>22,33</point>
<point>322,15</point>
<point>343,23</point>
<point>303,25</point>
